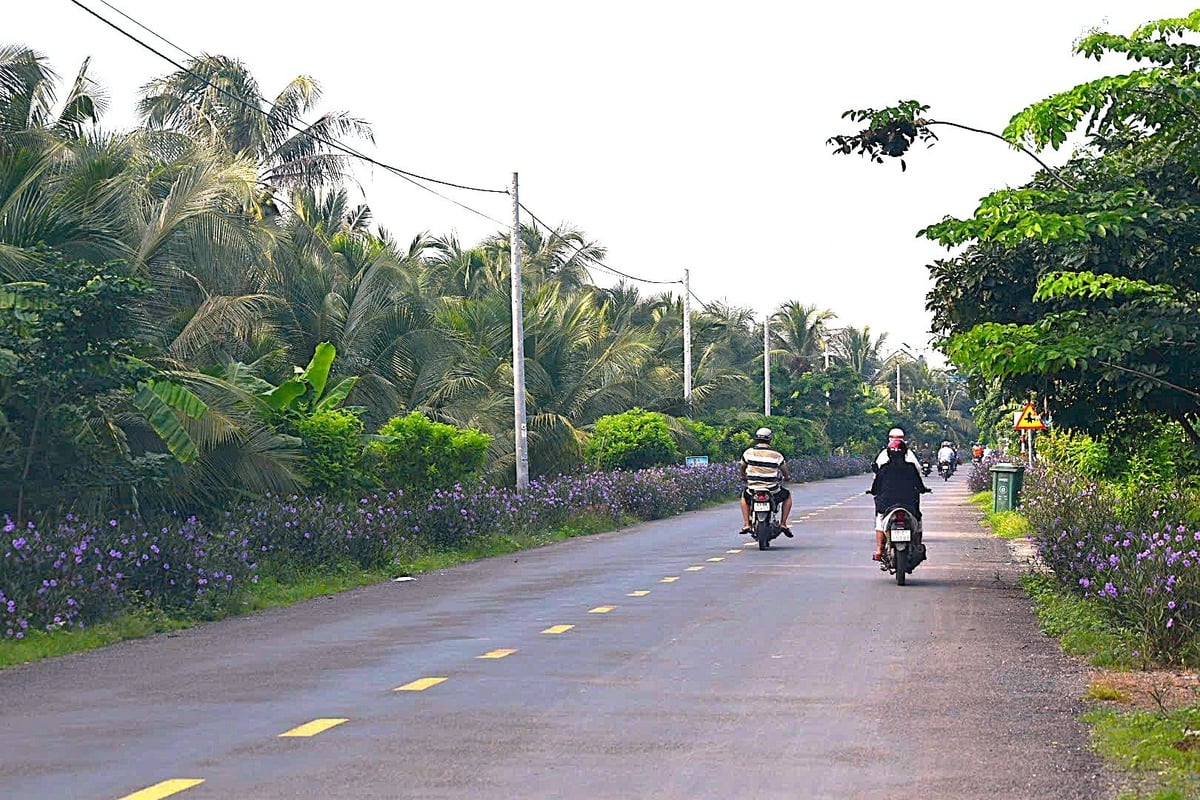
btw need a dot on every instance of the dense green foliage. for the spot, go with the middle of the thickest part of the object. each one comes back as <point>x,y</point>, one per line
<point>633,440</point>
<point>419,455</point>
<point>333,450</point>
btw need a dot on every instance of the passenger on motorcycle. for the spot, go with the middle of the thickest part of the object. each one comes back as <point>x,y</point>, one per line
<point>895,435</point>
<point>897,483</point>
<point>763,467</point>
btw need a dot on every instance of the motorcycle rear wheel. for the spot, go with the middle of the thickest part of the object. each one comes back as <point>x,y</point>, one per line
<point>900,559</point>
<point>763,534</point>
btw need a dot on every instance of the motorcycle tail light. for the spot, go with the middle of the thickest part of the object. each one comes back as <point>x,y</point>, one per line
<point>760,496</point>
<point>900,518</point>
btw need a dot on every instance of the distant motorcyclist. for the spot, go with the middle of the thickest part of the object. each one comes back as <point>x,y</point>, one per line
<point>764,468</point>
<point>925,456</point>
<point>977,451</point>
<point>897,482</point>
<point>949,456</point>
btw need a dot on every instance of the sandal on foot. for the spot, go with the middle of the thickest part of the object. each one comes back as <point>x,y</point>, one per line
<point>746,530</point>
<point>786,531</point>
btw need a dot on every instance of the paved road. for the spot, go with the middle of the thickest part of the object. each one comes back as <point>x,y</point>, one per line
<point>687,666</point>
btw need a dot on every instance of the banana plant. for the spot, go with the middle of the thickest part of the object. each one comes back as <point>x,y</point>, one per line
<point>306,392</point>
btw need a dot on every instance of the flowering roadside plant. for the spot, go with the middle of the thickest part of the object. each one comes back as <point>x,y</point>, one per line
<point>1135,554</point>
<point>979,479</point>
<point>78,572</point>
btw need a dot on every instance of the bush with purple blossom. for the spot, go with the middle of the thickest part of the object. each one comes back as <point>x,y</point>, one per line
<point>77,572</point>
<point>1137,554</point>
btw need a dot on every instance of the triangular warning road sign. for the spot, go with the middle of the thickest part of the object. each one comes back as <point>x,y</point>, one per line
<point>1029,420</point>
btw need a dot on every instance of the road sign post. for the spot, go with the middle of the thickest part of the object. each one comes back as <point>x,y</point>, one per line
<point>1030,423</point>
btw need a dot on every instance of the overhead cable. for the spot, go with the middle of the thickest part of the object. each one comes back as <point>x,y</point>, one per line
<point>334,144</point>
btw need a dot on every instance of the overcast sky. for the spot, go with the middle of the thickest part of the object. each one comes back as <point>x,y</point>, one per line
<point>676,134</point>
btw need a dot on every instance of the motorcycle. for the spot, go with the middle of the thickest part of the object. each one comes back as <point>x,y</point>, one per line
<point>764,520</point>
<point>903,549</point>
<point>945,469</point>
<point>926,467</point>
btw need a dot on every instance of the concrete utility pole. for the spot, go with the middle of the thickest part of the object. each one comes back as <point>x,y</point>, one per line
<point>767,367</point>
<point>897,384</point>
<point>687,337</point>
<point>520,430</point>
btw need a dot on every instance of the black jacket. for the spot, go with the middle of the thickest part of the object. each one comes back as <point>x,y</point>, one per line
<point>898,483</point>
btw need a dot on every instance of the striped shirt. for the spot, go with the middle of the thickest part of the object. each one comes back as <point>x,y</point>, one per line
<point>763,467</point>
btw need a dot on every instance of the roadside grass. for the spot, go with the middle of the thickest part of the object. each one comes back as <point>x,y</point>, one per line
<point>280,586</point>
<point>1080,625</point>
<point>1007,524</point>
<point>1160,750</point>
<point>1104,691</point>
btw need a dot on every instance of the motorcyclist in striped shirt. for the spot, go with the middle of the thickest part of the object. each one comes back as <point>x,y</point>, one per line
<point>763,467</point>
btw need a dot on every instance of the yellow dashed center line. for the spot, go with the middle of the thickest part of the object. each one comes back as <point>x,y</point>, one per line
<point>558,629</point>
<point>639,593</point>
<point>693,569</point>
<point>497,654</point>
<point>314,727</point>
<point>164,789</point>
<point>601,609</point>
<point>716,558</point>
<point>420,685</point>
<point>671,579</point>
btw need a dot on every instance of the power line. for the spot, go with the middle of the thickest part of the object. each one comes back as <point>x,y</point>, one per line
<point>594,261</point>
<point>411,177</point>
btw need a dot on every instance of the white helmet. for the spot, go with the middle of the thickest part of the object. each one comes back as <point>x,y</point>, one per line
<point>763,435</point>
<point>896,433</point>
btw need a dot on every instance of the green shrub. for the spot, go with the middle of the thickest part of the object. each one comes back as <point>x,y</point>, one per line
<point>333,451</point>
<point>633,440</point>
<point>1079,452</point>
<point>421,455</point>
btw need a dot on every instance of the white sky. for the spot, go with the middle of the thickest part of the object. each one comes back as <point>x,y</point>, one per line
<point>677,134</point>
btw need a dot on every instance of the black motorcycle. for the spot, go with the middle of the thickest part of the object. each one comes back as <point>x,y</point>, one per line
<point>903,549</point>
<point>926,467</point>
<point>764,517</point>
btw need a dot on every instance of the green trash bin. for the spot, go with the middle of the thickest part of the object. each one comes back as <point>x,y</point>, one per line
<point>1006,486</point>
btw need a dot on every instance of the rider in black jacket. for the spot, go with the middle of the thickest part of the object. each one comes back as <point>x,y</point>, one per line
<point>897,482</point>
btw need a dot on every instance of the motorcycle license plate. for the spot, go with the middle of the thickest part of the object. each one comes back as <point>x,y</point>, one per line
<point>762,506</point>
<point>901,535</point>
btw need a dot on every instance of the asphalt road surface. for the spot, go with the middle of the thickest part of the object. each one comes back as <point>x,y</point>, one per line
<point>667,660</point>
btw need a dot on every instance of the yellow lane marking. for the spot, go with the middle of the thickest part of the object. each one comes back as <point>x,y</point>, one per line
<point>670,580</point>
<point>693,569</point>
<point>420,685</point>
<point>164,789</point>
<point>314,727</point>
<point>558,629</point>
<point>639,593</point>
<point>601,609</point>
<point>497,654</point>
<point>716,558</point>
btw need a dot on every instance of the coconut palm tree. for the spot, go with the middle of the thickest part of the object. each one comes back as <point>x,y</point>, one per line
<point>859,350</point>
<point>799,334</point>
<point>216,100</point>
